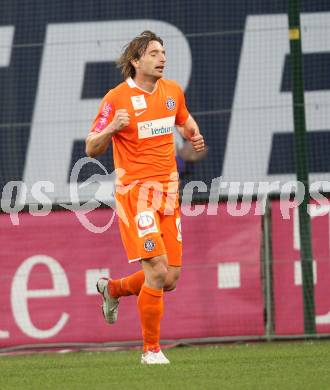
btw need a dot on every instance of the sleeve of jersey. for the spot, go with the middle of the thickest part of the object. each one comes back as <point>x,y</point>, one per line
<point>182,114</point>
<point>104,116</point>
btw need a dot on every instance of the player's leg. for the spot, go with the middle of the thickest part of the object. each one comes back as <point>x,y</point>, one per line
<point>129,285</point>
<point>172,277</point>
<point>138,204</point>
<point>156,276</point>
<point>151,307</point>
<point>171,234</point>
<point>111,290</point>
<point>141,238</point>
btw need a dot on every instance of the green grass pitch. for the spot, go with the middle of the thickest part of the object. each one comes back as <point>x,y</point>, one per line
<point>276,365</point>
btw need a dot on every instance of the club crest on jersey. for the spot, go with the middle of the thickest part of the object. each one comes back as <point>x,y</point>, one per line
<point>146,223</point>
<point>149,245</point>
<point>170,103</point>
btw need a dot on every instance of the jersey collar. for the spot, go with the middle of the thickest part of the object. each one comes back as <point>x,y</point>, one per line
<point>132,84</point>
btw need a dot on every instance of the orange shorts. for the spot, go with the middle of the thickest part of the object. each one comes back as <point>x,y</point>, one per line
<point>149,223</point>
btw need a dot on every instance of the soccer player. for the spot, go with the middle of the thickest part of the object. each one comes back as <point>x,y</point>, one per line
<point>139,117</point>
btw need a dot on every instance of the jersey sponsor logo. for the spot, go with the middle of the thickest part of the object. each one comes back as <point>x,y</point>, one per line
<point>178,226</point>
<point>156,127</point>
<point>102,124</point>
<point>104,119</point>
<point>146,223</point>
<point>149,245</point>
<point>106,109</point>
<point>170,103</point>
<point>139,102</point>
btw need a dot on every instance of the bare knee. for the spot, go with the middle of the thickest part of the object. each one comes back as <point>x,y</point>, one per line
<point>170,286</point>
<point>156,271</point>
<point>172,278</point>
<point>159,273</point>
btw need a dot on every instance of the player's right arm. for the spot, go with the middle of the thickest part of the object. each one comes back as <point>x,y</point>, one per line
<point>98,140</point>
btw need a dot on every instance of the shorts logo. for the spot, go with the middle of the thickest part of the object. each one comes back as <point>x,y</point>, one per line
<point>149,245</point>
<point>178,226</point>
<point>146,223</point>
<point>170,103</point>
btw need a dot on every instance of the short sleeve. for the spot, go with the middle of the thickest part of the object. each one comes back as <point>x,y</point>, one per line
<point>182,113</point>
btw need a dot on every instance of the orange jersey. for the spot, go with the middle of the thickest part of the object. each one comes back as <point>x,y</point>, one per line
<point>144,148</point>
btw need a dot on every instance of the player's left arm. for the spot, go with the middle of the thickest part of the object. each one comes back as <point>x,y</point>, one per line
<point>190,131</point>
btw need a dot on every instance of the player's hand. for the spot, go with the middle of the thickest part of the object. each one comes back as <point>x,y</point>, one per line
<point>120,120</point>
<point>197,140</point>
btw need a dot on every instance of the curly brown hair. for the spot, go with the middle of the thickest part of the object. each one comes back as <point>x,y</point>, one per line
<point>134,50</point>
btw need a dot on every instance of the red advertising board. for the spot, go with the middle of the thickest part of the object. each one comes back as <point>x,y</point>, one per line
<point>49,266</point>
<point>288,299</point>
